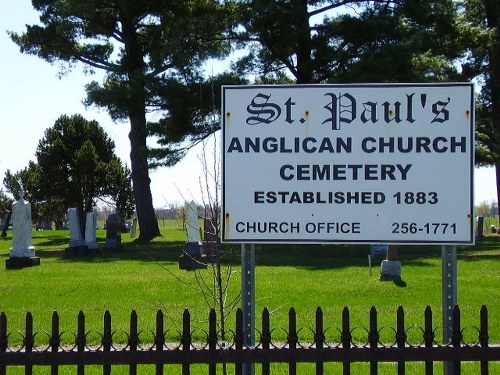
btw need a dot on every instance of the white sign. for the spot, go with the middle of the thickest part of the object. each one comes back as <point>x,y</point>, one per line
<point>374,163</point>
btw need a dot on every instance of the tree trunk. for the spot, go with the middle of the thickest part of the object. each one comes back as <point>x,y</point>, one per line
<point>497,172</point>
<point>492,8</point>
<point>304,62</point>
<point>148,225</point>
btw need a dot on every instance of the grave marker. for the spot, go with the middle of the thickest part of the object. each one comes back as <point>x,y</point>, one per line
<point>192,256</point>
<point>90,231</point>
<point>113,232</point>
<point>22,252</point>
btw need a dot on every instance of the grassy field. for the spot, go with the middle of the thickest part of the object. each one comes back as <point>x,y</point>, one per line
<point>146,277</point>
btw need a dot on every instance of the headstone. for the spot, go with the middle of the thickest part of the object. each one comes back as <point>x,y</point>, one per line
<point>480,228</point>
<point>22,253</point>
<point>113,233</point>
<point>390,270</point>
<point>193,231</point>
<point>75,229</point>
<point>133,228</point>
<point>90,231</point>
<point>192,256</point>
<point>77,244</point>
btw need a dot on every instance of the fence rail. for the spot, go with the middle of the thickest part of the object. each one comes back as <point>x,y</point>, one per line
<point>185,352</point>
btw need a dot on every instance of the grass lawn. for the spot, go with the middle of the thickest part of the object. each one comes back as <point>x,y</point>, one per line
<point>146,277</point>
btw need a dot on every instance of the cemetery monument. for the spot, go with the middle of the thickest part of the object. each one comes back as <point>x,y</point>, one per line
<point>90,232</point>
<point>76,242</point>
<point>113,232</point>
<point>22,253</point>
<point>192,256</point>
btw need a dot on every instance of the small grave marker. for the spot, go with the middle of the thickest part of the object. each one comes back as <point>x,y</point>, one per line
<point>192,256</point>
<point>90,231</point>
<point>113,232</point>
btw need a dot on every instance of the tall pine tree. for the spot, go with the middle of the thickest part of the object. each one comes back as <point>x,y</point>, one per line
<point>139,45</point>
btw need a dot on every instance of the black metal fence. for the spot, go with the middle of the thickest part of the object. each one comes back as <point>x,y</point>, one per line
<point>185,352</point>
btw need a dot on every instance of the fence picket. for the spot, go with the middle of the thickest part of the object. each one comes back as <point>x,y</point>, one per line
<point>346,339</point>
<point>55,341</point>
<point>265,340</point>
<point>159,339</point>
<point>401,337</point>
<point>212,339</point>
<point>239,340</point>
<point>483,337</point>
<point>456,337</point>
<point>29,341</point>
<point>428,338</point>
<point>373,339</point>
<point>292,341</point>
<point>133,340</point>
<point>186,339</point>
<point>3,340</point>
<point>81,341</point>
<point>107,341</point>
<point>319,338</point>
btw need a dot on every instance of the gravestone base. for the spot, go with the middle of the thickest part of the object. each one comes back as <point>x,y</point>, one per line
<point>192,257</point>
<point>76,250</point>
<point>113,244</point>
<point>390,270</point>
<point>210,250</point>
<point>21,262</point>
<point>76,243</point>
<point>92,246</point>
<point>190,262</point>
<point>93,250</point>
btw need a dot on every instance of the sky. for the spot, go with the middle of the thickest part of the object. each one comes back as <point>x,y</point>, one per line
<point>32,97</point>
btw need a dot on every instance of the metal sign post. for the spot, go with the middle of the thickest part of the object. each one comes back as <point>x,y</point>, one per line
<point>248,299</point>
<point>449,283</point>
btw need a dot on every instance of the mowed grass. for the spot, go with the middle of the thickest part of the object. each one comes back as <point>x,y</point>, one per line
<point>146,278</point>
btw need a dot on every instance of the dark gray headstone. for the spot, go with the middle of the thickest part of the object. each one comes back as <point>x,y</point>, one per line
<point>480,227</point>
<point>113,232</point>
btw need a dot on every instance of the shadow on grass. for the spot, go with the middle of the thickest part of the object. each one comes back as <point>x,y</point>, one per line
<point>145,252</point>
<point>311,257</point>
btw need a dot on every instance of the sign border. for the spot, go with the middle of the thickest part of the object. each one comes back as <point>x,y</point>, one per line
<point>471,239</point>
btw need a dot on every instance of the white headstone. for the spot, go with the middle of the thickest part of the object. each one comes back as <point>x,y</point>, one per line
<point>74,228</point>
<point>90,230</point>
<point>21,229</point>
<point>193,231</point>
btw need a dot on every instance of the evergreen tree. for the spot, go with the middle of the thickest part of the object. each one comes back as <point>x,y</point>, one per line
<point>349,41</point>
<point>140,45</point>
<point>75,167</point>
